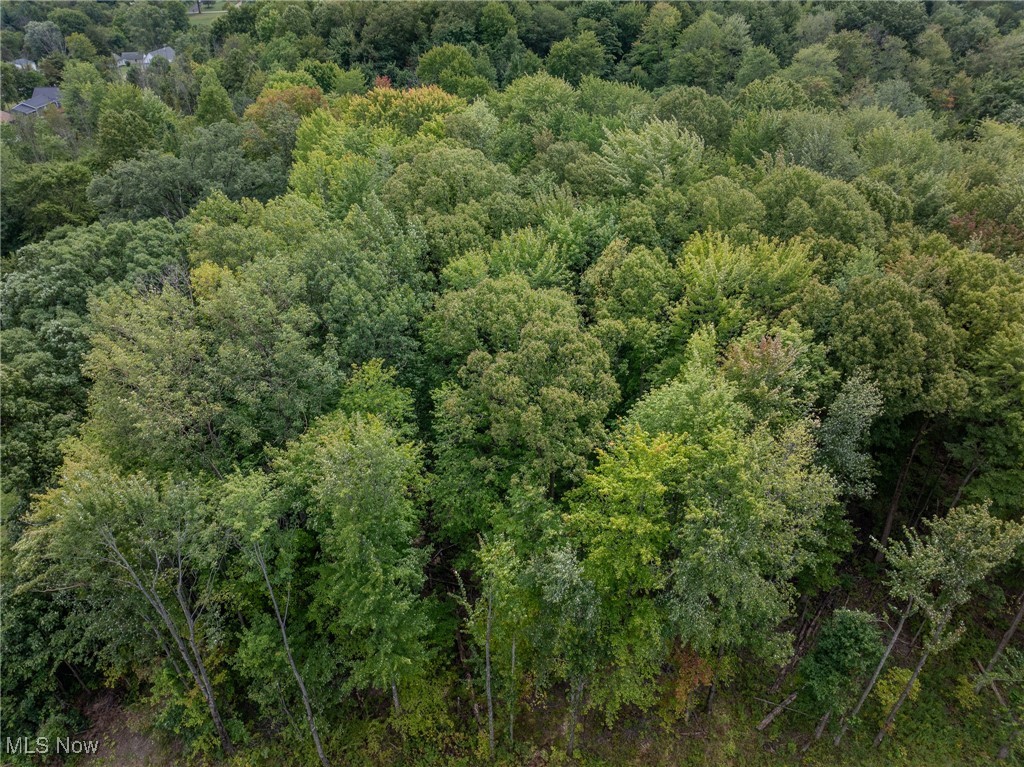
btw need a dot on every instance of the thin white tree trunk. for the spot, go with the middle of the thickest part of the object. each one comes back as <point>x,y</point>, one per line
<point>161,610</point>
<point>190,621</point>
<point>575,699</point>
<point>874,677</point>
<point>310,720</point>
<point>512,699</point>
<point>936,634</point>
<point>822,724</point>
<point>776,711</point>
<point>487,677</point>
<point>1005,640</point>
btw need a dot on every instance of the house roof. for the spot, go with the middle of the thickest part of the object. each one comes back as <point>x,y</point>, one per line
<point>41,97</point>
<point>128,56</point>
<point>23,62</point>
<point>166,52</point>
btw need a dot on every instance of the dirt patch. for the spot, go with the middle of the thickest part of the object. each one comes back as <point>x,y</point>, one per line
<point>124,737</point>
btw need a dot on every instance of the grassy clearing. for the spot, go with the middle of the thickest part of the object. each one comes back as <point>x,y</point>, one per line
<point>210,14</point>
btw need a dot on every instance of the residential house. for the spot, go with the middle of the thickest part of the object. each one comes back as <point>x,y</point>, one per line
<point>167,52</point>
<point>134,58</point>
<point>128,58</point>
<point>25,64</point>
<point>41,98</point>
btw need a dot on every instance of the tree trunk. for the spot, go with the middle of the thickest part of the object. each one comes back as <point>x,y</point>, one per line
<point>919,505</point>
<point>261,562</point>
<point>776,711</point>
<point>806,632</point>
<point>284,707</point>
<point>963,484</point>
<point>711,692</point>
<point>917,634</point>
<point>913,678</point>
<point>74,673</point>
<point>487,677</point>
<point>190,621</point>
<point>575,699</point>
<point>1006,748</point>
<point>874,677</point>
<point>820,729</point>
<point>711,698</point>
<point>513,699</point>
<point>897,495</point>
<point>469,676</point>
<point>1005,640</point>
<point>394,697</point>
<point>818,732</point>
<point>194,664</point>
<point>167,649</point>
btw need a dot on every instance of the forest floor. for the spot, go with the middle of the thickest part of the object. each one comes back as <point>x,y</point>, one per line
<point>125,737</point>
<point>946,726</point>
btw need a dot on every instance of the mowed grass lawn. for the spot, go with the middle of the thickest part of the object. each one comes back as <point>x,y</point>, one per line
<point>210,13</point>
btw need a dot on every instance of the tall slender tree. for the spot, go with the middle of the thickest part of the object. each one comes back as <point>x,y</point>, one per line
<point>942,570</point>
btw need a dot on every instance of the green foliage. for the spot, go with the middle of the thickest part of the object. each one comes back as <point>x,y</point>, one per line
<point>900,334</point>
<point>43,38</point>
<point>501,419</point>
<point>43,196</point>
<point>405,111</point>
<point>694,109</point>
<point>797,516</point>
<point>797,199</point>
<point>891,684</point>
<point>941,570</point>
<point>214,103</point>
<point>731,284</point>
<point>132,121</point>
<point>848,645</point>
<point>148,26</point>
<point>573,59</point>
<point>454,69</point>
<point>160,184</point>
<point>708,52</point>
<point>439,180</point>
<point>262,375</point>
<point>780,373</point>
<point>359,482</point>
<point>659,153</point>
<point>441,363</point>
<point>132,544</point>
<point>620,516</point>
<point>45,335</point>
<point>628,292</point>
<point>844,432</point>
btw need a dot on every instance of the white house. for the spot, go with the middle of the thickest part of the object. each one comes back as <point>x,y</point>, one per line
<point>134,58</point>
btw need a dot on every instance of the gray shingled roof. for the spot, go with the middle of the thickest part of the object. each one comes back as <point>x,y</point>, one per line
<point>166,52</point>
<point>41,97</point>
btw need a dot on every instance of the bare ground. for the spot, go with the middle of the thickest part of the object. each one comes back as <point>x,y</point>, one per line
<point>124,738</point>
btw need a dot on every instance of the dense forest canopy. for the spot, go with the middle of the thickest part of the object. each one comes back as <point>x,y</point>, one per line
<point>437,383</point>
